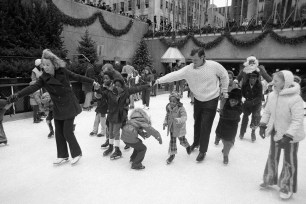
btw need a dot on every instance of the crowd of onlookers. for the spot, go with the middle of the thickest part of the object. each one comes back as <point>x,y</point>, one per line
<point>103,6</point>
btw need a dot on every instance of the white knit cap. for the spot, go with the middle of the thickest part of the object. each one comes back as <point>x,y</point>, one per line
<point>37,62</point>
<point>289,78</point>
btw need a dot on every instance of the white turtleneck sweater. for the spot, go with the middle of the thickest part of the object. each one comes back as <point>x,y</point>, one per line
<point>204,81</point>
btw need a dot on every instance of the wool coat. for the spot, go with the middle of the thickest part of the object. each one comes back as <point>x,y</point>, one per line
<point>65,103</point>
<point>176,120</point>
<point>136,125</point>
<point>228,123</point>
<point>284,112</point>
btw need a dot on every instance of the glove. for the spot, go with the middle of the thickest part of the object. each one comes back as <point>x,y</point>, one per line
<point>262,131</point>
<point>12,98</point>
<point>159,139</point>
<point>284,142</point>
<point>164,126</point>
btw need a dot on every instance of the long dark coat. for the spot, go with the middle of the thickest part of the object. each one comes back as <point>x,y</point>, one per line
<point>66,105</point>
<point>228,123</point>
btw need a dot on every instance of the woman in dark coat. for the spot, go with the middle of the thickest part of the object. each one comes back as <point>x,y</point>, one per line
<point>56,80</point>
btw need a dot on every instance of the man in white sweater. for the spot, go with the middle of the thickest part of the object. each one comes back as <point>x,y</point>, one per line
<point>203,78</point>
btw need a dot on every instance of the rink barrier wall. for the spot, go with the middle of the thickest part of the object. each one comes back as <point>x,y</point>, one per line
<point>23,104</point>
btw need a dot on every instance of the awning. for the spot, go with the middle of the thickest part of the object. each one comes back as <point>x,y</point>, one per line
<point>171,55</point>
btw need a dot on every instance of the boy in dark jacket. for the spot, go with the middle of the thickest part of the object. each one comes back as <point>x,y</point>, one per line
<point>138,123</point>
<point>117,96</point>
<point>252,92</point>
<point>228,123</point>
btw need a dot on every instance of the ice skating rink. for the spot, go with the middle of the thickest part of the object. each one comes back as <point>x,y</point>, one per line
<point>28,176</point>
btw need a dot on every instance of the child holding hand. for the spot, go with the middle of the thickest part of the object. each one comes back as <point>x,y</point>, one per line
<point>176,121</point>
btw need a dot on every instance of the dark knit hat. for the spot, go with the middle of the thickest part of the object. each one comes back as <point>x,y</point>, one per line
<point>235,94</point>
<point>120,81</point>
<point>254,73</point>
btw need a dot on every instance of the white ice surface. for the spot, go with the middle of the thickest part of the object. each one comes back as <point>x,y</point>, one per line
<point>28,176</point>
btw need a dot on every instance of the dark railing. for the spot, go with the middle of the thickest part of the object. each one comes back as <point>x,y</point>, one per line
<point>230,28</point>
<point>23,104</point>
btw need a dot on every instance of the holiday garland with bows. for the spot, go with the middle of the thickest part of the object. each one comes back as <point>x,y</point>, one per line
<point>68,20</point>
<point>234,41</point>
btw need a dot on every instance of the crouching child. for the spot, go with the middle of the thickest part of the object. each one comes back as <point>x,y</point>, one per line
<point>138,124</point>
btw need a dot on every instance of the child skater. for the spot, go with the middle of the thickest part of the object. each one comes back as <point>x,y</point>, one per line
<point>138,123</point>
<point>231,85</point>
<point>117,96</point>
<point>35,102</point>
<point>228,123</point>
<point>48,106</point>
<point>101,109</point>
<point>282,119</point>
<point>102,105</point>
<point>4,106</point>
<point>176,121</point>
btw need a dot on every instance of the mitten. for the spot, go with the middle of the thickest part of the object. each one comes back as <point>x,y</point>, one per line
<point>262,130</point>
<point>164,126</point>
<point>12,98</point>
<point>284,142</point>
<point>159,139</point>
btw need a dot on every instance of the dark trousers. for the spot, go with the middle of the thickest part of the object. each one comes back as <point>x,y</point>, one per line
<point>288,176</point>
<point>138,153</point>
<point>204,114</point>
<point>145,96</point>
<point>248,110</point>
<point>64,134</point>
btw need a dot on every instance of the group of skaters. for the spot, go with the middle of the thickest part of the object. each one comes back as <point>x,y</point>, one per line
<point>210,83</point>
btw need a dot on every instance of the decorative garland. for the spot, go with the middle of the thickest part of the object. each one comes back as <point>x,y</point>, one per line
<point>68,20</point>
<point>234,41</point>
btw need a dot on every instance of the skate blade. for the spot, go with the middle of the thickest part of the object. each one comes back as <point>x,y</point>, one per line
<point>114,158</point>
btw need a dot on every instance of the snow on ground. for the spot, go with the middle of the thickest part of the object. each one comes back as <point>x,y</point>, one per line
<point>28,176</point>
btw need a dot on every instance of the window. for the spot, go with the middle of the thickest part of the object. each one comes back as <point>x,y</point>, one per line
<point>171,7</point>
<point>138,4</point>
<point>122,6</point>
<point>161,4</point>
<point>166,4</point>
<point>114,7</point>
<point>130,5</point>
<point>147,3</point>
<point>100,50</point>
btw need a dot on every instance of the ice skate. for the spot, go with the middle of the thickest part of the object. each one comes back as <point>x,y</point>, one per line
<point>3,142</point>
<point>100,135</point>
<point>93,134</point>
<point>75,160</point>
<point>225,160</point>
<point>60,161</point>
<point>241,136</point>
<point>170,159</point>
<point>117,154</point>
<point>285,194</point>
<point>200,157</point>
<point>188,149</point>
<point>105,144</point>
<point>264,186</point>
<point>253,136</point>
<point>51,134</point>
<point>138,167</point>
<point>109,150</point>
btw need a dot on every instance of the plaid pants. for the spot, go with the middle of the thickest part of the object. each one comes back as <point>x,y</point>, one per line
<point>172,145</point>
